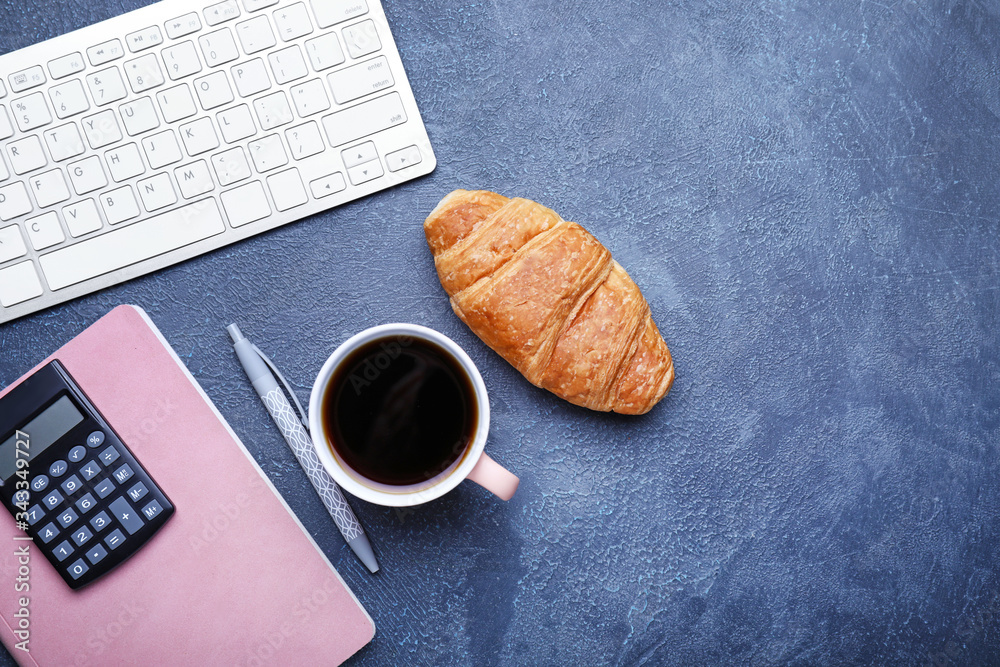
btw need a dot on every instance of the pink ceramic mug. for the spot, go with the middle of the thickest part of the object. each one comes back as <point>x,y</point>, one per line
<point>473,463</point>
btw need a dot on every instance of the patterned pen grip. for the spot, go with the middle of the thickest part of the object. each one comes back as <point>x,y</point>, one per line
<point>298,441</point>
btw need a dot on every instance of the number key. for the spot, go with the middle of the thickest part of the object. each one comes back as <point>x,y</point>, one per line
<point>71,485</point>
<point>67,517</point>
<point>48,532</point>
<point>78,569</point>
<point>106,86</point>
<point>86,503</point>
<point>35,515</point>
<point>81,535</point>
<point>31,111</point>
<point>100,521</point>
<point>52,500</point>
<point>63,550</point>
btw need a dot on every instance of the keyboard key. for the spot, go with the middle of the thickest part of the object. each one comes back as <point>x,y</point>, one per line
<point>287,64</point>
<point>364,119</point>
<point>69,99</point>
<point>273,110</point>
<point>127,517</point>
<point>324,52</point>
<point>26,79</point>
<point>48,532</point>
<point>52,500</point>
<point>106,86</point>
<point>11,242</point>
<point>152,510</point>
<point>181,60</point>
<point>213,91</point>
<point>251,77</point>
<point>26,155</point>
<point>143,39</point>
<point>245,204</point>
<point>305,140</point>
<point>67,517</point>
<point>102,129</point>
<point>254,5</point>
<point>35,514</point>
<point>267,153</point>
<point>82,218</point>
<point>44,231</point>
<point>78,569</point>
<point>365,172</point>
<point>77,453</point>
<point>183,25</point>
<point>221,12</point>
<point>39,483</point>
<point>109,455</point>
<point>31,111</point>
<point>327,185</point>
<point>66,65</point>
<point>137,492</point>
<point>96,553</point>
<point>19,283</point>
<point>100,521</point>
<point>359,154</point>
<point>236,123</point>
<point>87,175</point>
<point>6,129</point>
<point>86,503</point>
<point>58,468</point>
<point>176,103</point>
<point>105,52</point>
<point>63,550</point>
<point>287,190</point>
<point>119,205</point>
<point>199,136</point>
<point>292,22</point>
<point>49,188</point>
<point>161,149</point>
<point>139,116</point>
<point>114,539</point>
<point>144,73</point>
<point>13,202</point>
<point>330,12</point>
<point>71,485</point>
<point>194,179</point>
<point>218,47</point>
<point>4,174</point>
<point>255,35</point>
<point>309,98</point>
<point>156,192</point>
<point>361,39</point>
<point>104,488</point>
<point>64,142</point>
<point>95,439</point>
<point>359,80</point>
<point>230,166</point>
<point>136,242</point>
<point>90,470</point>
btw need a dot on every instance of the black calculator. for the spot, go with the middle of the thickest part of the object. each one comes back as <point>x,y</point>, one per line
<point>69,480</point>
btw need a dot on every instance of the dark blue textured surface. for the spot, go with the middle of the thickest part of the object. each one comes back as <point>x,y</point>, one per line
<point>807,193</point>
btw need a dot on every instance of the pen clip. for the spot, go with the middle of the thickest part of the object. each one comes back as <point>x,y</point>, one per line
<point>281,378</point>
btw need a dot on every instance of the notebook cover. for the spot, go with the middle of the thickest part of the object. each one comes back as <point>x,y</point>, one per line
<point>233,578</point>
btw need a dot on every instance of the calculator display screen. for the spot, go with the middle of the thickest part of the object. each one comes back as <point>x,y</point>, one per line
<point>43,431</point>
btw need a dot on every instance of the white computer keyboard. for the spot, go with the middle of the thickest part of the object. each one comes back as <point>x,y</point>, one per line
<point>172,130</point>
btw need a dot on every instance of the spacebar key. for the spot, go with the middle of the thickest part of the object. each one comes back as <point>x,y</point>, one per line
<point>139,241</point>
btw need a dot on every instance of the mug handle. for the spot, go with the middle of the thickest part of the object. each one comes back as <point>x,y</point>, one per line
<point>494,477</point>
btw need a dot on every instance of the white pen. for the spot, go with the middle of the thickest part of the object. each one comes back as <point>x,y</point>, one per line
<point>293,427</point>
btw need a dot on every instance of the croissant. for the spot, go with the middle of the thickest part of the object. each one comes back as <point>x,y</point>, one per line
<point>546,296</point>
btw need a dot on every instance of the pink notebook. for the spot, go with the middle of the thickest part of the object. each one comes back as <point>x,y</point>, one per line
<point>233,578</point>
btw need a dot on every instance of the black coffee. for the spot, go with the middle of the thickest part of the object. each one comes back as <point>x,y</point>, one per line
<point>400,410</point>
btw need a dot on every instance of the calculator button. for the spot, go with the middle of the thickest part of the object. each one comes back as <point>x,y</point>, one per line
<point>137,492</point>
<point>67,517</point>
<point>39,483</point>
<point>100,521</point>
<point>89,470</point>
<point>96,553</point>
<point>152,510</point>
<point>114,539</point>
<point>35,515</point>
<point>105,488</point>
<point>63,551</point>
<point>123,474</point>
<point>81,535</point>
<point>109,455</point>
<point>78,569</point>
<point>126,516</point>
<point>95,439</point>
<point>52,500</point>
<point>77,453</point>
<point>86,503</point>
<point>21,496</point>
<point>71,485</point>
<point>48,532</point>
<point>57,469</point>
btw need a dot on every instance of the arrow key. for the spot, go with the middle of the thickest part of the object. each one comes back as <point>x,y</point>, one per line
<point>327,185</point>
<point>365,172</point>
<point>404,158</point>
